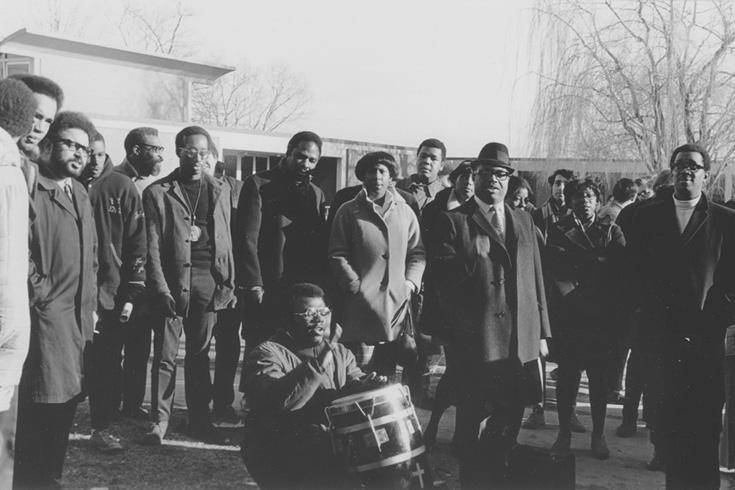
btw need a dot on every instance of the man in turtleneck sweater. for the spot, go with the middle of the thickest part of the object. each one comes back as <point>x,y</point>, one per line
<point>190,278</point>
<point>682,250</point>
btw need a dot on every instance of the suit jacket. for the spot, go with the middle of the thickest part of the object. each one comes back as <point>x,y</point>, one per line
<point>489,287</point>
<point>63,250</point>
<point>169,249</point>
<point>685,282</point>
<point>282,236</point>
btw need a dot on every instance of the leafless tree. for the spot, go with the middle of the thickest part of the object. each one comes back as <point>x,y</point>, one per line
<point>252,98</point>
<point>161,27</point>
<point>57,16</point>
<point>633,79</point>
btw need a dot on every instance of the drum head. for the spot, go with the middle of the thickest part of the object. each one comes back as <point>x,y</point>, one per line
<point>385,392</point>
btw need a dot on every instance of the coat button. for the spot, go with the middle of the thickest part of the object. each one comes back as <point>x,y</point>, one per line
<point>187,265</point>
<point>386,256</point>
<point>501,281</point>
<point>500,314</point>
<point>186,290</point>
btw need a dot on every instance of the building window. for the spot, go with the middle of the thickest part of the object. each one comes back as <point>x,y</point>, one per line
<point>11,64</point>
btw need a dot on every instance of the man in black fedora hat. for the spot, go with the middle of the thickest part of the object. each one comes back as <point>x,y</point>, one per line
<point>498,311</point>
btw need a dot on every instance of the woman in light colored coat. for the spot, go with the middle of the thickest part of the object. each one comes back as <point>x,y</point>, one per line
<point>376,254</point>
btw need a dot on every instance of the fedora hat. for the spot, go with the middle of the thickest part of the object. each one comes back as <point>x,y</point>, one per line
<point>495,154</point>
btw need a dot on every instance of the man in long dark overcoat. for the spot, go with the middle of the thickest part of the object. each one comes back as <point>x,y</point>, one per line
<point>281,236</point>
<point>682,250</point>
<point>63,250</point>
<point>488,270</point>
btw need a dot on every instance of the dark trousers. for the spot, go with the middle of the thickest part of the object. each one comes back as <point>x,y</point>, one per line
<point>490,394</point>
<point>41,441</point>
<point>135,363</point>
<point>575,354</point>
<point>110,376</point>
<point>227,347</point>
<point>688,393</point>
<point>106,371</point>
<point>197,326</point>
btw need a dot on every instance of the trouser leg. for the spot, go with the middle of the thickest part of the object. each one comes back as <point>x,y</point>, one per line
<point>41,442</point>
<point>135,363</point>
<point>227,346</point>
<point>106,359</point>
<point>198,326</point>
<point>167,332</point>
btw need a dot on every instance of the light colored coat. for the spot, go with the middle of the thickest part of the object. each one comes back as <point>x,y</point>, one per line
<point>15,320</point>
<point>373,256</point>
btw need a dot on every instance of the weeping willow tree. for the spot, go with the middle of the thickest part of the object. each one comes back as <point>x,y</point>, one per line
<point>633,79</point>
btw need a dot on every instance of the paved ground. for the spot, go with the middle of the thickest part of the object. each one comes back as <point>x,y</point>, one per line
<point>182,463</point>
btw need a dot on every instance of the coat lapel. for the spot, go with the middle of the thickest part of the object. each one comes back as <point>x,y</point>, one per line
<point>579,237</point>
<point>57,195</point>
<point>699,216</point>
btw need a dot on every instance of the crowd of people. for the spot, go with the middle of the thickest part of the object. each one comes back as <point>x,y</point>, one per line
<point>100,261</point>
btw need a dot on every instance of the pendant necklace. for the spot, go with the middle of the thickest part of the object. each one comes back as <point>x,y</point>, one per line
<point>195,233</point>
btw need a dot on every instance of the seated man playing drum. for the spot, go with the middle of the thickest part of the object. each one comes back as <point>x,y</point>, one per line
<point>289,380</point>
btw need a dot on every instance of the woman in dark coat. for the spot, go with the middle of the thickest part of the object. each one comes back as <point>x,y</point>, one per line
<point>582,254</point>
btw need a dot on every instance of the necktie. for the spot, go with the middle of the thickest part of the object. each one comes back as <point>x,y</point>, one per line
<point>68,192</point>
<point>497,223</point>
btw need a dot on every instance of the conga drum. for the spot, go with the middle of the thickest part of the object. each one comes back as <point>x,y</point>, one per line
<point>377,436</point>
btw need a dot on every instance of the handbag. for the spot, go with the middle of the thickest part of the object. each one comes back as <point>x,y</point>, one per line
<point>406,351</point>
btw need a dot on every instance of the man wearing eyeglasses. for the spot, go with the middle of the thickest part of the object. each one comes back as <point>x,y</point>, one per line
<point>190,278</point>
<point>63,249</point>
<point>143,156</point>
<point>289,380</point>
<point>487,267</point>
<point>682,250</point>
<point>122,248</point>
<point>143,160</point>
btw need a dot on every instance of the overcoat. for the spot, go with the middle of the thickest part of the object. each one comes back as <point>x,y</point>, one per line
<point>169,249</point>
<point>488,286</point>
<point>374,255</point>
<point>63,251</point>
<point>684,284</point>
<point>281,232</point>
<point>584,270</point>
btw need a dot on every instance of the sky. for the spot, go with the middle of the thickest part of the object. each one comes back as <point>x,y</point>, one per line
<point>387,72</point>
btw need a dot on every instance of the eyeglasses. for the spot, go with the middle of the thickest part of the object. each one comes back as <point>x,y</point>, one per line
<point>585,197</point>
<point>501,175</point>
<point>193,152</point>
<point>154,149</point>
<point>312,313</point>
<point>75,147</point>
<point>687,167</point>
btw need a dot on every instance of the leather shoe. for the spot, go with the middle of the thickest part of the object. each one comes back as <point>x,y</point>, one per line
<point>536,419</point>
<point>137,413</point>
<point>155,435</point>
<point>626,429</point>
<point>563,444</point>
